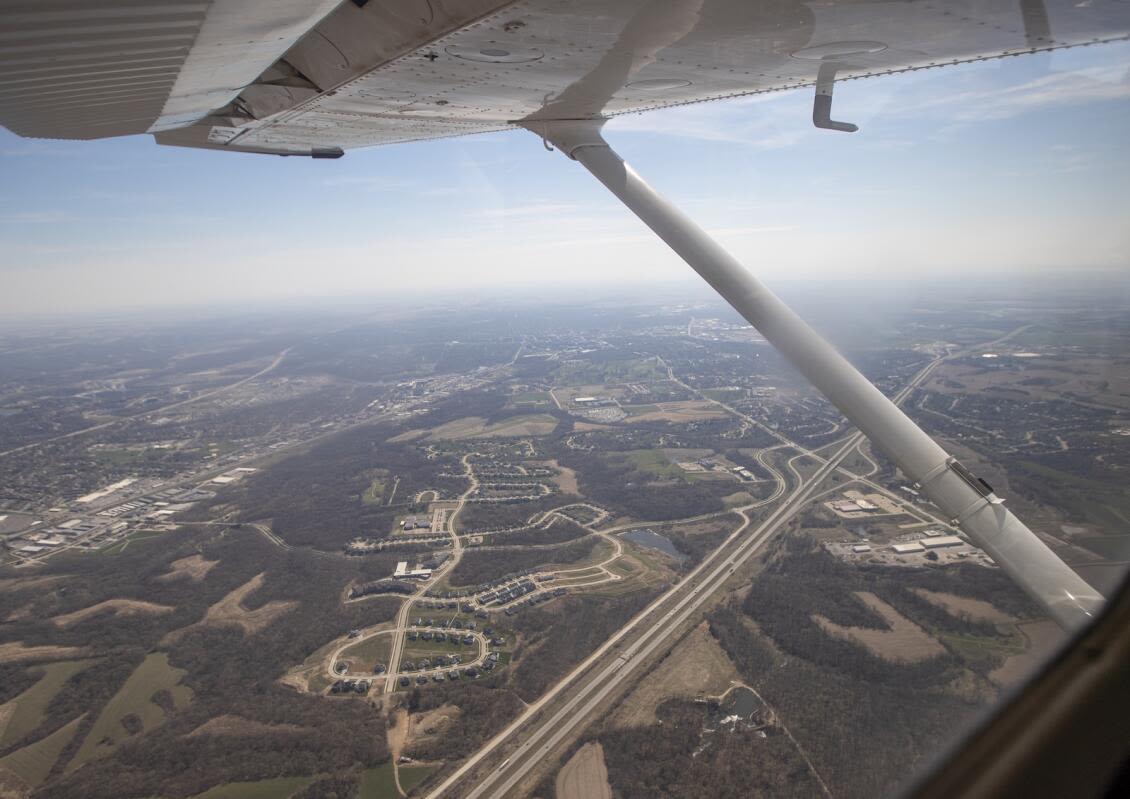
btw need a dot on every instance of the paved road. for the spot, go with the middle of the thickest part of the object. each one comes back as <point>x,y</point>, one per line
<point>401,628</point>
<point>591,683</point>
<point>588,686</point>
<point>482,649</point>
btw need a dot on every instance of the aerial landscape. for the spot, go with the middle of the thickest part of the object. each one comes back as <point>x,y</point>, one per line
<point>530,399</point>
<point>549,549</point>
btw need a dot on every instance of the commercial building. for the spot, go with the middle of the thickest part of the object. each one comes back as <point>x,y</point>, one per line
<point>941,541</point>
<point>906,549</point>
<point>417,573</point>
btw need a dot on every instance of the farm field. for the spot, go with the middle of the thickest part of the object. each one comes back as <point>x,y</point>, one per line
<point>133,699</point>
<point>21,715</point>
<point>33,763</point>
<point>278,788</point>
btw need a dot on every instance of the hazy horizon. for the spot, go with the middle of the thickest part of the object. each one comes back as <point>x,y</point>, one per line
<point>1007,168</point>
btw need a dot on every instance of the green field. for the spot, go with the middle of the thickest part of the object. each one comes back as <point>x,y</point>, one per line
<point>26,711</point>
<point>414,650</point>
<point>638,410</point>
<point>119,457</point>
<point>535,399</point>
<point>633,370</point>
<point>534,424</point>
<point>378,783</point>
<point>654,461</point>
<point>724,394</point>
<point>133,698</point>
<point>1081,498</point>
<point>278,788</point>
<point>33,763</point>
<point>370,651</point>
<point>140,537</point>
<point>374,494</point>
<point>985,651</point>
<point>411,776</point>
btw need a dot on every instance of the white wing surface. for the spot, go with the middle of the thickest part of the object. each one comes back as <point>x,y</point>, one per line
<point>318,77</point>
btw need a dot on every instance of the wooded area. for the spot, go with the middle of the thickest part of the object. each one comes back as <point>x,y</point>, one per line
<point>228,671</point>
<point>865,721</point>
<point>679,759</point>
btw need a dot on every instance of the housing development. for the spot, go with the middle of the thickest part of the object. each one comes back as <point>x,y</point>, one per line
<point>564,551</point>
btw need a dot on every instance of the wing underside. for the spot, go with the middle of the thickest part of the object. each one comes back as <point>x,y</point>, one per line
<point>317,76</point>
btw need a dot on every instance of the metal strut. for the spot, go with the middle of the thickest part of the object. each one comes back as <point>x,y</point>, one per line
<point>822,102</point>
<point>960,496</point>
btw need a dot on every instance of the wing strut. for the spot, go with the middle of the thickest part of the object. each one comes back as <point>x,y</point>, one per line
<point>962,497</point>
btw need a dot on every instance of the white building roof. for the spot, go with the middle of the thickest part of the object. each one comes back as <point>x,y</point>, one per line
<point>942,541</point>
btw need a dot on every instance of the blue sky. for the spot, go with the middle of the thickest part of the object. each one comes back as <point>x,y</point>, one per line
<point>1006,167</point>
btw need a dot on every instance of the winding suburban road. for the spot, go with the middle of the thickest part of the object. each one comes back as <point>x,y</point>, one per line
<point>401,629</point>
<point>567,706</point>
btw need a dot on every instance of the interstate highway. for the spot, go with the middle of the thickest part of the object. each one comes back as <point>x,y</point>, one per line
<point>589,685</point>
<point>569,703</point>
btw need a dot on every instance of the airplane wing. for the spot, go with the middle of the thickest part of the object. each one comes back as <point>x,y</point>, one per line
<point>317,77</point>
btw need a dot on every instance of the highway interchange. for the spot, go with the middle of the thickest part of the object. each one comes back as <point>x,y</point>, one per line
<point>566,707</point>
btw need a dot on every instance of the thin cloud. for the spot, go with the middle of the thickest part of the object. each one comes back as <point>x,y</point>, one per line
<point>547,209</point>
<point>36,217</point>
<point>1054,90</point>
<point>751,230</point>
<point>365,183</point>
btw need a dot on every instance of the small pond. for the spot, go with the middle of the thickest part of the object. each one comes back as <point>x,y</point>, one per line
<point>653,540</point>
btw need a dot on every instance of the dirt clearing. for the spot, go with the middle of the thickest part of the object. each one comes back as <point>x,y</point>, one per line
<point>15,651</point>
<point>679,412</point>
<point>466,427</point>
<point>904,642</point>
<point>194,568</point>
<point>120,607</point>
<point>1044,638</point>
<point>976,609</point>
<point>25,583</point>
<point>397,733</point>
<point>237,726</point>
<point>539,425</point>
<point>697,667</point>
<point>430,724</point>
<point>565,478</point>
<point>585,775</point>
<point>230,612</point>
<point>476,427</point>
